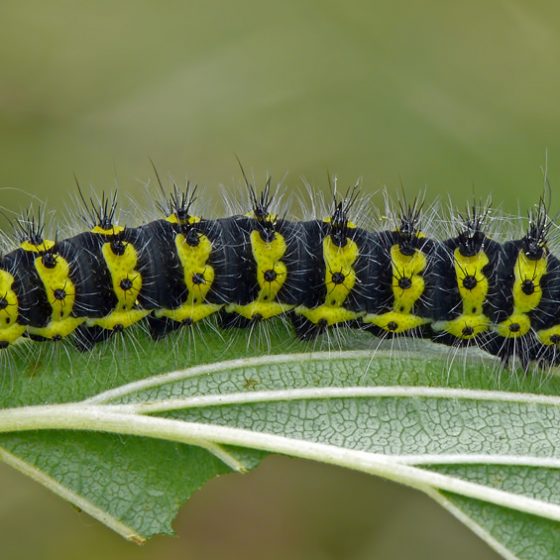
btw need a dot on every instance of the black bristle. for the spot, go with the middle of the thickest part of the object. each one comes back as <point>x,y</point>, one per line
<point>178,202</point>
<point>470,234</point>
<point>409,225</point>
<point>339,216</point>
<point>30,227</point>
<point>535,240</point>
<point>260,206</point>
<point>98,213</point>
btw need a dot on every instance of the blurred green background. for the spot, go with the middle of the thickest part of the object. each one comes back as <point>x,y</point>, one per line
<point>459,98</point>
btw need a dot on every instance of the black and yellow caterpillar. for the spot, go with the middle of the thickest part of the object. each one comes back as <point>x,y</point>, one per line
<point>320,273</point>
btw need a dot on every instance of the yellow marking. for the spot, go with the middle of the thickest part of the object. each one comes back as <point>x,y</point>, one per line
<point>113,230</point>
<point>407,266</point>
<point>10,331</point>
<point>267,255</point>
<point>329,314</point>
<point>328,220</point>
<point>338,260</point>
<point>194,260</point>
<point>42,247</point>
<point>465,326</point>
<point>473,299</point>
<point>173,219</point>
<point>418,234</point>
<point>527,269</point>
<point>472,320</point>
<point>122,269</point>
<point>57,329</point>
<point>524,269</point>
<point>401,318</point>
<point>520,321</point>
<point>396,322</point>
<point>118,318</point>
<point>56,281</point>
<point>271,218</point>
<point>549,336</point>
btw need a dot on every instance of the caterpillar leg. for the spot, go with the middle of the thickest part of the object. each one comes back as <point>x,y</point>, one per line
<point>510,350</point>
<point>232,321</point>
<point>160,327</point>
<point>87,337</point>
<point>305,329</point>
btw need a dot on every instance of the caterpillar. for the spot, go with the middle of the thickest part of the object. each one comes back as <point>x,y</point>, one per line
<point>321,273</point>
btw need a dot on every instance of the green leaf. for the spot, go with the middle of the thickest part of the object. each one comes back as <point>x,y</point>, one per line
<point>115,478</point>
<point>127,443</point>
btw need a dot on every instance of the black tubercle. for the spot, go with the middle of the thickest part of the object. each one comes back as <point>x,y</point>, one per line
<point>470,235</point>
<point>535,240</point>
<point>99,212</point>
<point>339,217</point>
<point>409,226</point>
<point>118,243</point>
<point>49,259</point>
<point>192,235</point>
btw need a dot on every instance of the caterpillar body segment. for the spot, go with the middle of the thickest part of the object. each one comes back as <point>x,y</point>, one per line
<point>269,281</point>
<point>404,285</point>
<point>336,268</point>
<point>466,269</point>
<point>23,298</point>
<point>197,285</point>
<point>322,273</point>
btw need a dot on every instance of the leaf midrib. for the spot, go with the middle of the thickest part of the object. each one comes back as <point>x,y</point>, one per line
<point>95,418</point>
